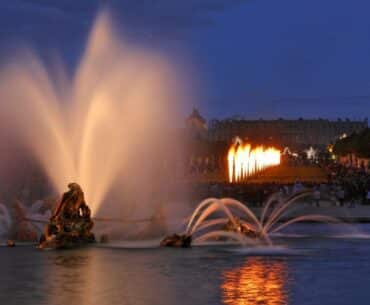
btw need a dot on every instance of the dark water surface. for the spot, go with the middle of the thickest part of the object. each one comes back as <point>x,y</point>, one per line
<point>313,270</point>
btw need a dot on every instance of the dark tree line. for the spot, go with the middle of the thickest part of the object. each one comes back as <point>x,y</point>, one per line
<point>356,143</point>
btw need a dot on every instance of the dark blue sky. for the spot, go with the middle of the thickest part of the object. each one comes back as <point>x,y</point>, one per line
<point>257,58</point>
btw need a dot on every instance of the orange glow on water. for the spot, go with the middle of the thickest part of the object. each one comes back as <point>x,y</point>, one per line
<point>245,161</point>
<point>257,282</point>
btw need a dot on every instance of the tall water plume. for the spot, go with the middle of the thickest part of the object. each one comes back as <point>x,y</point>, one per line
<point>105,126</point>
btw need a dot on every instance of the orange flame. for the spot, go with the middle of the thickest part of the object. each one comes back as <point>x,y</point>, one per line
<point>243,161</point>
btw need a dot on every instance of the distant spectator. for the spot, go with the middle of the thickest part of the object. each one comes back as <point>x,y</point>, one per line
<point>340,196</point>
<point>297,187</point>
<point>317,196</point>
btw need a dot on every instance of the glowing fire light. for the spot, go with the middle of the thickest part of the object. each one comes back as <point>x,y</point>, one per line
<point>245,161</point>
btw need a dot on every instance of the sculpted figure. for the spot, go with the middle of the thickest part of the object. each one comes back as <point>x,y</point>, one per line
<point>71,222</point>
<point>238,227</point>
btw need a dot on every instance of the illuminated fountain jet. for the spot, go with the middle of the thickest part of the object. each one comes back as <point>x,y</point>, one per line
<point>97,124</point>
<point>245,161</point>
<point>227,219</point>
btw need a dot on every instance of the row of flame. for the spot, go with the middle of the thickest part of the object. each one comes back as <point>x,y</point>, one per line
<point>245,161</point>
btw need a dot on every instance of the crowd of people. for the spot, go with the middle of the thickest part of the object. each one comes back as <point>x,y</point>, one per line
<point>352,184</point>
<point>254,194</point>
<point>344,187</point>
<point>203,165</point>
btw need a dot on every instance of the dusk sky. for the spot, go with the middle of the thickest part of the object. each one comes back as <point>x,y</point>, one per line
<point>257,58</point>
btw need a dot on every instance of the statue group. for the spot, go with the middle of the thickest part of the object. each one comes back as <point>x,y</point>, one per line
<point>71,224</point>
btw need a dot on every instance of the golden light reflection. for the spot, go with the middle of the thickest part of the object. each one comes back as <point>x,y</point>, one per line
<point>245,161</point>
<point>257,282</point>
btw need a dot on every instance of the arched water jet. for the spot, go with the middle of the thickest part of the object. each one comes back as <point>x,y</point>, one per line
<point>267,205</point>
<point>200,206</point>
<point>243,208</point>
<point>243,240</point>
<point>318,218</point>
<point>248,220</point>
<point>256,224</point>
<point>281,209</point>
<point>210,223</point>
<point>225,202</point>
<point>218,205</point>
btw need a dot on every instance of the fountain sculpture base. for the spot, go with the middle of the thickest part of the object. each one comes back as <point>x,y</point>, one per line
<point>71,224</point>
<point>237,227</point>
<point>177,241</point>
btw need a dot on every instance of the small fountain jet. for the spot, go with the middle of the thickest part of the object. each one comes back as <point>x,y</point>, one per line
<point>240,223</point>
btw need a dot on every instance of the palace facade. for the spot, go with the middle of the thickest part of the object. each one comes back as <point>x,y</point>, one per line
<point>292,133</point>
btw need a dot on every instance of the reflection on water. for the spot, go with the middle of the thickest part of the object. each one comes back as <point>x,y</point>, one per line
<point>91,277</point>
<point>257,282</point>
<point>337,273</point>
<point>69,277</point>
